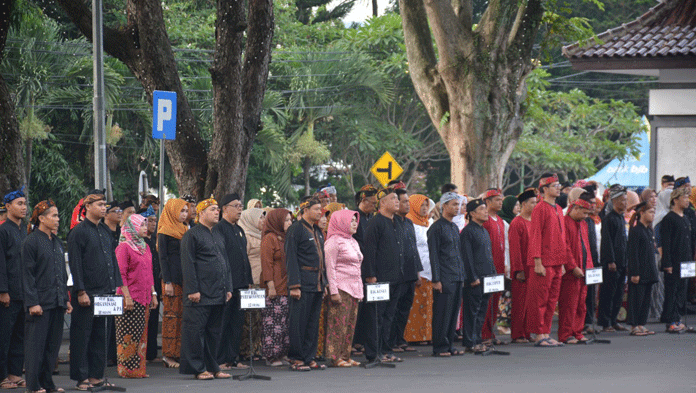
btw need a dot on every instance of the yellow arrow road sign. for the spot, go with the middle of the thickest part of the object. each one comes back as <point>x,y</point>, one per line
<point>386,169</point>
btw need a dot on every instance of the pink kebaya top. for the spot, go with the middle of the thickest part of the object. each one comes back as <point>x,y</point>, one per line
<point>343,256</point>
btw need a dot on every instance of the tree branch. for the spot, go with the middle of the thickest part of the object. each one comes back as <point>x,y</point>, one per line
<point>453,42</point>
<point>422,61</point>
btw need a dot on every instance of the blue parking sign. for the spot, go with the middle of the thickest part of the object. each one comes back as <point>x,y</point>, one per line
<point>164,115</point>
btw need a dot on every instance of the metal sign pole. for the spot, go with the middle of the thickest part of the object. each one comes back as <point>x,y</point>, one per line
<point>161,179</point>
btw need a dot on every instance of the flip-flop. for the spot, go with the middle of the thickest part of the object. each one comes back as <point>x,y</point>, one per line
<point>457,352</point>
<point>544,340</point>
<point>221,375</point>
<point>571,341</point>
<point>7,384</point>
<point>205,376</point>
<point>406,348</point>
<point>56,390</point>
<point>225,367</point>
<point>519,341</point>
<point>238,366</point>
<point>84,386</point>
<point>299,367</point>
<point>440,355</point>
<point>316,366</point>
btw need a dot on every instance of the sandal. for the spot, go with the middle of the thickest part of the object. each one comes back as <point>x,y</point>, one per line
<point>168,363</point>
<point>646,331</point>
<point>674,328</point>
<point>406,348</point>
<point>440,355</point>
<point>299,366</point>
<point>42,390</point>
<point>84,386</point>
<point>225,366</point>
<point>353,363</point>
<point>571,341</point>
<point>545,342</point>
<point>103,383</point>
<point>519,341</point>
<point>397,349</point>
<point>457,352</point>
<point>316,366</point>
<point>638,332</point>
<point>7,384</point>
<point>391,359</point>
<point>221,375</point>
<point>56,390</point>
<point>341,363</point>
<point>204,376</point>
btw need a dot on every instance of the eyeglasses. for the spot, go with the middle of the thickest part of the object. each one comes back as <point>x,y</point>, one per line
<point>236,206</point>
<point>116,211</point>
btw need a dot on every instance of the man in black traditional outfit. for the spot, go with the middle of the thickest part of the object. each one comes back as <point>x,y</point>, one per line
<point>477,256</point>
<point>236,253</point>
<point>12,235</point>
<point>207,287</point>
<point>304,256</point>
<point>95,272</point>
<point>448,275</point>
<point>44,281</point>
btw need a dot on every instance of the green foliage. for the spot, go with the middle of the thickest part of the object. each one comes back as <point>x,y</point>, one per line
<point>570,133</point>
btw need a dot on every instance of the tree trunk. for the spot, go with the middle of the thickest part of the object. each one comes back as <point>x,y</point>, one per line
<point>144,47</point>
<point>375,9</point>
<point>12,175</point>
<point>474,88</point>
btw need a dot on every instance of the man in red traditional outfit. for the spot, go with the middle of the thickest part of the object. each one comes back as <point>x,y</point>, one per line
<point>518,237</point>
<point>547,254</point>
<point>496,230</point>
<point>571,303</point>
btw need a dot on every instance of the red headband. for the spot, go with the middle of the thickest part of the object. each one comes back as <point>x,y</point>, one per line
<point>583,203</point>
<point>398,185</point>
<point>492,193</point>
<point>548,180</point>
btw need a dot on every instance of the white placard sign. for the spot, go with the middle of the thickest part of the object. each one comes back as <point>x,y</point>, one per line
<point>593,276</point>
<point>108,305</point>
<point>252,298</point>
<point>688,269</point>
<point>378,292</point>
<point>493,284</point>
<point>67,269</point>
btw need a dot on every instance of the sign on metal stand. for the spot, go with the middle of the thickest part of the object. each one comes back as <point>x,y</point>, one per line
<point>163,127</point>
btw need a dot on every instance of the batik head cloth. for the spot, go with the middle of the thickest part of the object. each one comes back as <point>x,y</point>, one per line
<point>548,180</point>
<point>492,192</point>
<point>616,191</point>
<point>681,181</point>
<point>9,197</point>
<point>204,204</point>
<point>474,204</point>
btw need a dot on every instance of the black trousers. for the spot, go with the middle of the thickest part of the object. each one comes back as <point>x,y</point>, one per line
<point>639,296</point>
<point>474,313</point>
<point>303,324</point>
<point>11,339</point>
<point>675,297</point>
<point>445,312</point>
<point>590,304</point>
<point>111,352</point>
<point>88,338</point>
<point>611,296</point>
<point>200,335</point>
<point>232,327</point>
<point>43,334</point>
<point>385,316</point>
<point>403,309</point>
<point>153,332</point>
<point>367,320</point>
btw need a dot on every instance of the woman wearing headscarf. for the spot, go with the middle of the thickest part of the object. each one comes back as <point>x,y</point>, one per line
<point>510,205</point>
<point>274,278</point>
<point>420,321</point>
<point>343,262</point>
<point>254,204</point>
<point>252,222</point>
<point>657,299</point>
<point>170,230</point>
<point>139,296</point>
<point>649,196</point>
<point>323,224</point>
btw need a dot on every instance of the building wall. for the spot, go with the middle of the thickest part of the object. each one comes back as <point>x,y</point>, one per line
<point>676,152</point>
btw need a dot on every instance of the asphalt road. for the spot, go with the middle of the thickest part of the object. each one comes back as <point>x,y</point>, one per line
<point>658,363</point>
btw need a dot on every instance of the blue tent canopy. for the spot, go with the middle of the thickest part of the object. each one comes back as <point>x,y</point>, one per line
<point>629,171</point>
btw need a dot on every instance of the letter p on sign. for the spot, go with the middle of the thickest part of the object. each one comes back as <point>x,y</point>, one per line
<point>164,115</point>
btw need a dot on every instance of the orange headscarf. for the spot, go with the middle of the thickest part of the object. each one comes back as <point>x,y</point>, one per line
<point>169,222</point>
<point>416,201</point>
<point>692,197</point>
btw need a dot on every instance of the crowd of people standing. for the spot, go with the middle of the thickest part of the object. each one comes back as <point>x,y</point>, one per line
<point>316,264</point>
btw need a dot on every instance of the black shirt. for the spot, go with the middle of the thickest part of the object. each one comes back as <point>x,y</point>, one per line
<point>304,257</point>
<point>170,258</point>
<point>11,238</point>
<point>445,254</point>
<point>675,232</point>
<point>156,270</point>
<point>236,253</point>
<point>92,259</point>
<point>592,237</point>
<point>360,237</point>
<point>204,266</point>
<point>412,262</point>
<point>477,254</point>
<point>384,254</point>
<point>614,240</point>
<point>641,254</point>
<point>44,275</point>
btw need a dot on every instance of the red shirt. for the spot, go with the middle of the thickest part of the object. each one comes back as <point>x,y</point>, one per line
<point>518,237</point>
<point>496,231</point>
<point>547,240</point>
<point>577,236</point>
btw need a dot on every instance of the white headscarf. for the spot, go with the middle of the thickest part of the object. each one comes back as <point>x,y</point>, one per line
<point>460,219</point>
<point>663,206</point>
